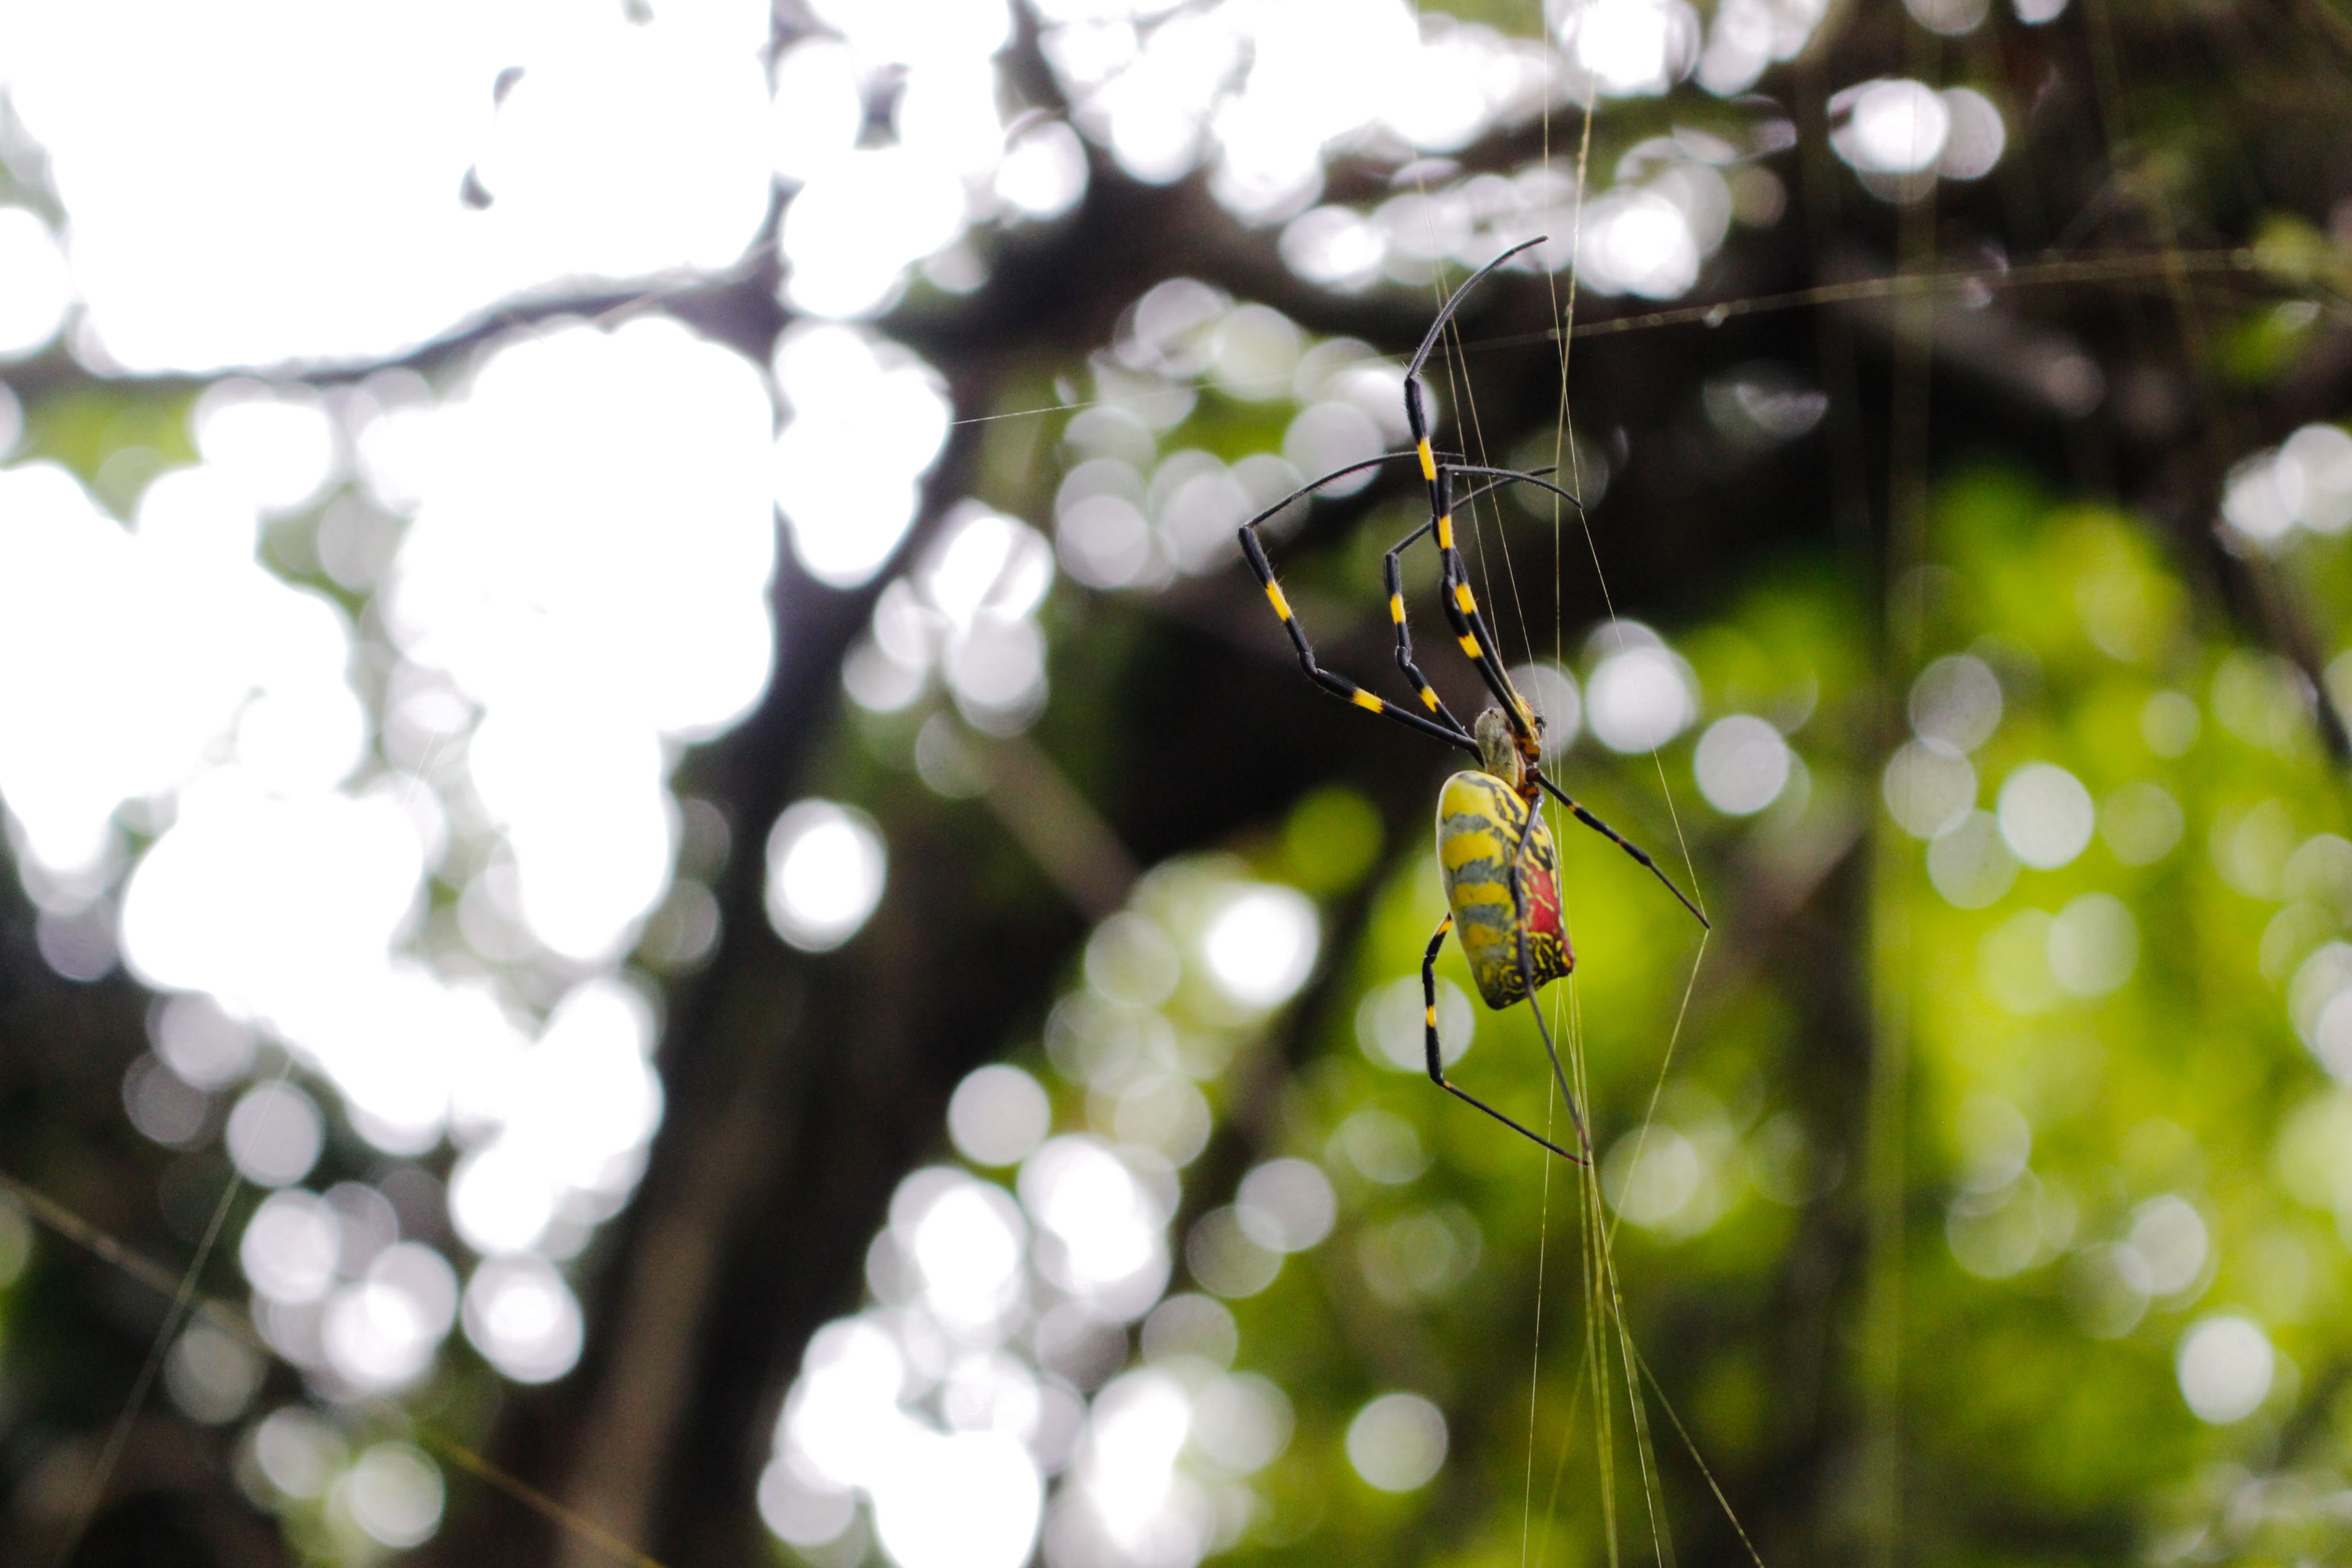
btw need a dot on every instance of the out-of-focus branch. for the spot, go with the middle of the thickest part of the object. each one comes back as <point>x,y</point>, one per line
<point>1063,833</point>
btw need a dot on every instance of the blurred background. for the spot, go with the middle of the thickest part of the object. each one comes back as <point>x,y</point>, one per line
<point>671,899</point>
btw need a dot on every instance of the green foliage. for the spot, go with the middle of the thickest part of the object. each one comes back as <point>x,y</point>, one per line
<point>113,439</point>
<point>2266,345</point>
<point>1330,841</point>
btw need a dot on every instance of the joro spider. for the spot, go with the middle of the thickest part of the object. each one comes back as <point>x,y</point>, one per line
<point>1496,857</point>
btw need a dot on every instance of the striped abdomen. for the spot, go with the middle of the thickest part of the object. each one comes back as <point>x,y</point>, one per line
<point>1479,821</point>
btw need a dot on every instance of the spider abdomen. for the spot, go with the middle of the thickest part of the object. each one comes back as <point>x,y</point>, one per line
<point>1480,821</point>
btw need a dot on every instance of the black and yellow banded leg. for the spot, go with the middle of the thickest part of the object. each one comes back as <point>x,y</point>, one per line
<point>1416,416</point>
<point>1470,628</point>
<point>1622,842</point>
<point>1437,1064</point>
<point>1393,575</point>
<point>1339,687</point>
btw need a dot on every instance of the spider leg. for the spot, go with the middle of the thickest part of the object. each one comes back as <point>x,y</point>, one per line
<point>1429,341</point>
<point>1528,973</point>
<point>1503,476</point>
<point>1339,687</point>
<point>1394,576</point>
<point>1437,1065</point>
<point>1460,606</point>
<point>1470,628</point>
<point>1415,416</point>
<point>1313,485</point>
<point>1614,837</point>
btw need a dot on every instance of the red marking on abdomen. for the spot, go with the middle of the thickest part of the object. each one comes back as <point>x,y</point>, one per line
<point>1543,901</point>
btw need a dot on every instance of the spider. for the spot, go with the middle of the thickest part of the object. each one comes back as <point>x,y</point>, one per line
<point>1496,857</point>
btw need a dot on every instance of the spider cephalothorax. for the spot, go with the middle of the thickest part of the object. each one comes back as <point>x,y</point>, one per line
<point>1500,754</point>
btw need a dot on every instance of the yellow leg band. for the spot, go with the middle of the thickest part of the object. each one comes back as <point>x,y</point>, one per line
<point>1274,597</point>
<point>1461,597</point>
<point>1445,531</point>
<point>1470,646</point>
<point>1396,608</point>
<point>1428,463</point>
<point>1368,702</point>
